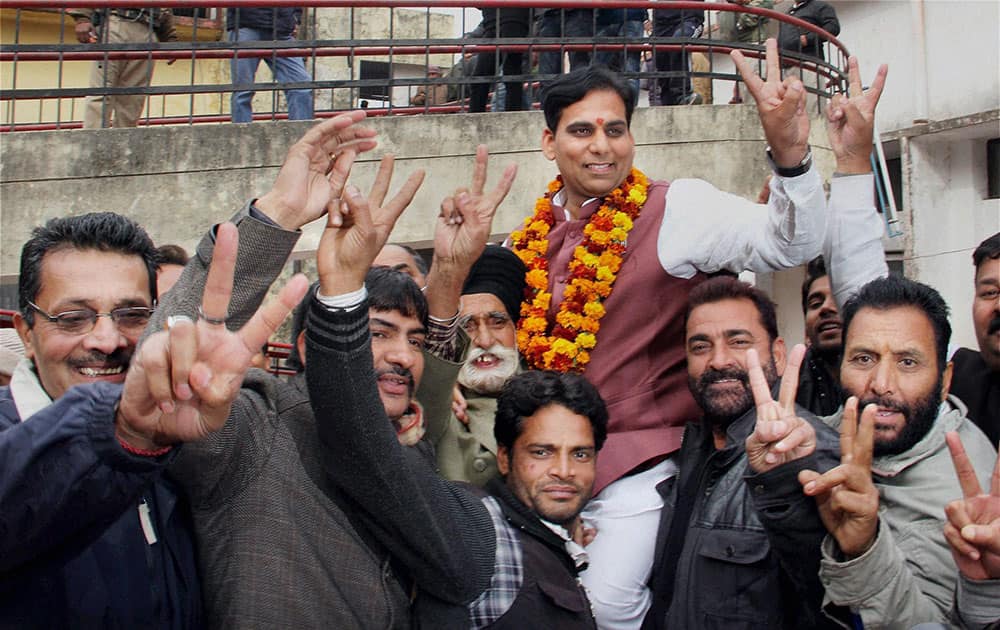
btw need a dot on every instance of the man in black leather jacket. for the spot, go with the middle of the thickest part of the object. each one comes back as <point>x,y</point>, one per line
<point>739,543</point>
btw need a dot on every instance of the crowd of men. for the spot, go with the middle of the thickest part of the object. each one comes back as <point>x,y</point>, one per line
<point>595,424</point>
<point>246,26</point>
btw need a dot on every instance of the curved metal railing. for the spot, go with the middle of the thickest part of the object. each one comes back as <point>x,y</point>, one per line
<point>43,88</point>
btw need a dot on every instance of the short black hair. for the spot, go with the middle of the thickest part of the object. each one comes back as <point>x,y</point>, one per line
<point>815,269</point>
<point>392,290</point>
<point>418,260</point>
<point>524,394</point>
<point>988,249</point>
<point>172,255</point>
<point>896,292</point>
<point>103,231</point>
<point>722,288</point>
<point>388,290</point>
<point>573,87</point>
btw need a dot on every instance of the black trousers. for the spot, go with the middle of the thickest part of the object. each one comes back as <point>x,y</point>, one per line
<point>501,23</point>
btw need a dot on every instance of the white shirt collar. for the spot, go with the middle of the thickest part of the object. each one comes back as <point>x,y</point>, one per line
<point>559,199</point>
<point>577,552</point>
<point>27,391</point>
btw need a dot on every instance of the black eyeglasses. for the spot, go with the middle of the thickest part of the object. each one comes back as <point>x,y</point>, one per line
<point>82,321</point>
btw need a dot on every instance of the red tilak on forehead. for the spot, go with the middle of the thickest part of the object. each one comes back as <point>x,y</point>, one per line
<point>600,121</point>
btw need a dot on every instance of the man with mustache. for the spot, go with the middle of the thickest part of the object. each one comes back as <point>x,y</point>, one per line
<point>92,535</point>
<point>886,561</point>
<point>280,544</point>
<point>819,382</point>
<point>522,564</point>
<point>87,287</point>
<point>977,374</point>
<point>491,298</point>
<point>735,529</point>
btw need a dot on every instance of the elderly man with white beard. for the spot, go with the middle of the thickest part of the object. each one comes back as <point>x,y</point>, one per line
<point>491,297</point>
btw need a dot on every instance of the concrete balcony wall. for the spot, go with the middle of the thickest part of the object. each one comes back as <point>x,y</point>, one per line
<point>179,181</point>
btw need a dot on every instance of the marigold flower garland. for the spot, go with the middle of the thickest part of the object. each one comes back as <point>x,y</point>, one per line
<point>593,269</point>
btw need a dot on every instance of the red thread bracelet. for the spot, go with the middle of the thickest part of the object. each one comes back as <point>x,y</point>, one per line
<point>144,453</point>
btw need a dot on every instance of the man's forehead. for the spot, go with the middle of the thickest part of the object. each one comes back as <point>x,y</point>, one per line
<point>725,315</point>
<point>396,319</point>
<point>988,271</point>
<point>597,107</point>
<point>80,275</point>
<point>898,328</point>
<point>480,304</point>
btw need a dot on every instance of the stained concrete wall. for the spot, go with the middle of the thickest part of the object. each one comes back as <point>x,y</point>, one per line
<point>178,181</point>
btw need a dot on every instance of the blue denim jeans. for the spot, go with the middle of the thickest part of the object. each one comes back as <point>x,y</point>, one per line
<point>631,31</point>
<point>284,69</point>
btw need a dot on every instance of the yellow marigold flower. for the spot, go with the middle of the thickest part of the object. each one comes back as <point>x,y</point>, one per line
<point>564,347</point>
<point>599,237</point>
<point>539,247</point>
<point>535,324</point>
<point>586,340</point>
<point>603,273</point>
<point>594,309</point>
<point>537,279</point>
<point>619,234</point>
<point>637,196</point>
<point>569,319</point>
<point>582,358</point>
<point>540,227</point>
<point>589,324</point>
<point>590,260</point>
<point>623,221</point>
<point>603,289</point>
<point>543,300</point>
<point>526,255</point>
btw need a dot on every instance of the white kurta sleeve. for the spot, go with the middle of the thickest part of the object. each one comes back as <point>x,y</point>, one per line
<point>706,229</point>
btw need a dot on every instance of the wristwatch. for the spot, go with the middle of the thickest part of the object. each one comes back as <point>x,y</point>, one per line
<point>791,171</point>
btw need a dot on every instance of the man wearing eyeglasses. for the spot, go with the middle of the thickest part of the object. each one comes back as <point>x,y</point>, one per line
<point>120,552</point>
<point>464,443</point>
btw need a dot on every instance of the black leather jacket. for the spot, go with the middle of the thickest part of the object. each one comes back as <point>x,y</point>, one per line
<point>750,552</point>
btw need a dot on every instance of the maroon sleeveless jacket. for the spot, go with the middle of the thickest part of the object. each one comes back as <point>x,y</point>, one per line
<point>639,363</point>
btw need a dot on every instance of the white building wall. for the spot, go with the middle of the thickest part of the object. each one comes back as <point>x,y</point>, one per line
<point>944,63</point>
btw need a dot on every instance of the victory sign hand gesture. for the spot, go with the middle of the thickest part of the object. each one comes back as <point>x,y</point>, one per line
<point>358,228</point>
<point>781,105</point>
<point>182,381</point>
<point>851,120</point>
<point>973,527</point>
<point>846,496</point>
<point>779,436</point>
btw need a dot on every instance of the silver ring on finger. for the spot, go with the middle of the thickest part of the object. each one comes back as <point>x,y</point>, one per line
<point>215,321</point>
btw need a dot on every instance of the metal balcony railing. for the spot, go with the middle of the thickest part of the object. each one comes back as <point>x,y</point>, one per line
<point>357,53</point>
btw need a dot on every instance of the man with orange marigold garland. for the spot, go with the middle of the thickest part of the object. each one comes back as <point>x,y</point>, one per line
<point>591,249</point>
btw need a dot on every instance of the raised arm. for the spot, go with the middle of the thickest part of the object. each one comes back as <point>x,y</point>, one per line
<point>107,449</point>
<point>441,533</point>
<point>853,244</point>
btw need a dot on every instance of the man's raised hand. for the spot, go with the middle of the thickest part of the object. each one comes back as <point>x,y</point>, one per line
<point>781,106</point>
<point>358,228</point>
<point>779,436</point>
<point>463,225</point>
<point>846,496</point>
<point>461,234</point>
<point>312,178</point>
<point>973,527</point>
<point>851,120</point>
<point>182,381</point>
